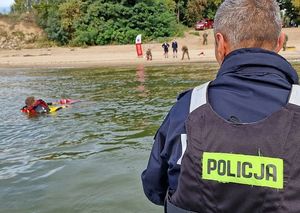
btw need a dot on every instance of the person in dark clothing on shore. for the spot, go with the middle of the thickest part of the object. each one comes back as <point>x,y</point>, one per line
<point>232,144</point>
<point>175,48</point>
<point>165,46</point>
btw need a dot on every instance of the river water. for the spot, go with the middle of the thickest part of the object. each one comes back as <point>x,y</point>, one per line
<point>88,157</point>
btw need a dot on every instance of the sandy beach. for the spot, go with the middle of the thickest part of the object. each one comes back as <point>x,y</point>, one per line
<point>125,55</point>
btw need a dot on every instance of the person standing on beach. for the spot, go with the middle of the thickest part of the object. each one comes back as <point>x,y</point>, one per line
<point>149,54</point>
<point>205,35</point>
<point>232,144</point>
<point>185,50</point>
<point>174,47</point>
<point>286,38</point>
<point>165,46</point>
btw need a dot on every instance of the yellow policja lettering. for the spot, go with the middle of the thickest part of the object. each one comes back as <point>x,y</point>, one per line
<point>243,169</point>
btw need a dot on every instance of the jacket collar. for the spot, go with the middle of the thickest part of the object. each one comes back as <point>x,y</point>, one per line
<point>239,60</point>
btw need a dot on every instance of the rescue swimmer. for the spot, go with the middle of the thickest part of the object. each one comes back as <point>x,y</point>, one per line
<point>33,106</point>
<point>232,145</point>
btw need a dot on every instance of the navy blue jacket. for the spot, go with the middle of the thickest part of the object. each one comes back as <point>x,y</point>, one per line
<point>250,85</point>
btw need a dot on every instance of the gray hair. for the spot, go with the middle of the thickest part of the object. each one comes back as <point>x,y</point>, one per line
<point>249,23</point>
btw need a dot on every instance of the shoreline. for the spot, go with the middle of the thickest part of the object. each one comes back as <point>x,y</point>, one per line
<point>89,58</point>
<point>125,55</point>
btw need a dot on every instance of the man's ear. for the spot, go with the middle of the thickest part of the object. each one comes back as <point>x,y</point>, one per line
<point>222,47</point>
<point>280,42</point>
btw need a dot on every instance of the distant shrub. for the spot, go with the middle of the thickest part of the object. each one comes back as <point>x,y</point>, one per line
<point>18,34</point>
<point>43,42</point>
<point>90,22</point>
<point>3,34</point>
<point>194,33</point>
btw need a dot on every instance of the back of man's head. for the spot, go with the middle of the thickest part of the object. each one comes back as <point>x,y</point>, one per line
<point>249,23</point>
<point>29,101</point>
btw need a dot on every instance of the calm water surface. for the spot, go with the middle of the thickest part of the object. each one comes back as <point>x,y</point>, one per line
<point>89,157</point>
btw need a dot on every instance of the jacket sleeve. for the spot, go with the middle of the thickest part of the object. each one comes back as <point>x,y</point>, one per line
<point>155,177</point>
<point>162,171</point>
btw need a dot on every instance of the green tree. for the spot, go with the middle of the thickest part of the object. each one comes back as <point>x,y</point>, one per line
<point>211,8</point>
<point>179,9</point>
<point>195,11</point>
<point>291,12</point>
<point>69,13</point>
<point>171,5</point>
<point>48,17</point>
<point>19,6</point>
<point>106,22</point>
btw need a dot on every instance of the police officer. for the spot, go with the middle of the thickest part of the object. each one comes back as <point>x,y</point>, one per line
<point>232,144</point>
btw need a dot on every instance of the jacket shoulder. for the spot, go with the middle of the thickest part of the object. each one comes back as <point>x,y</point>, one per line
<point>184,94</point>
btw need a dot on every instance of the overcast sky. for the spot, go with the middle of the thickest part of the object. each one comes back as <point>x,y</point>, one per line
<point>6,3</point>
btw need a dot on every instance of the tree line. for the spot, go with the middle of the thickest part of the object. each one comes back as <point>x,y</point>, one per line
<point>99,22</point>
